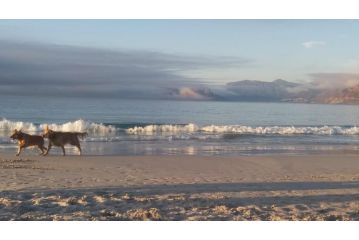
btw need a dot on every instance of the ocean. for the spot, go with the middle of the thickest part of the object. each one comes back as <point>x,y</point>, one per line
<point>160,127</point>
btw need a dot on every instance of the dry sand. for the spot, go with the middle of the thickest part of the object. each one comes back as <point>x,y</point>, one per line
<point>311,187</point>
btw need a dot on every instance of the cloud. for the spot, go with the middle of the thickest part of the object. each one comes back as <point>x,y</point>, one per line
<point>188,93</point>
<point>48,70</point>
<point>313,44</point>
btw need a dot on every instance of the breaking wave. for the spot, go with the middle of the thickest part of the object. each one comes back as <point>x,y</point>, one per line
<point>82,126</point>
<point>7,126</point>
<point>246,130</point>
<point>168,128</point>
<point>283,130</point>
<point>110,132</point>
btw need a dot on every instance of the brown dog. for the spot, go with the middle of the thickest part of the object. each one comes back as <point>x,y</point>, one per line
<point>60,139</point>
<point>27,140</point>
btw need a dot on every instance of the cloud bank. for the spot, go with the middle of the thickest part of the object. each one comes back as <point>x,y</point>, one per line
<point>29,69</point>
<point>56,70</point>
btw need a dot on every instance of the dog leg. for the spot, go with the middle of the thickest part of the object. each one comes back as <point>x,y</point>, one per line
<point>19,150</point>
<point>48,149</point>
<point>63,150</point>
<point>41,149</point>
<point>79,148</point>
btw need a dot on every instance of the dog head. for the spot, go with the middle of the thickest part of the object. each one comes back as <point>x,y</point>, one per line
<point>47,132</point>
<point>16,134</point>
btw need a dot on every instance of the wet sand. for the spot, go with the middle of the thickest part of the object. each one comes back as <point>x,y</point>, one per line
<point>308,187</point>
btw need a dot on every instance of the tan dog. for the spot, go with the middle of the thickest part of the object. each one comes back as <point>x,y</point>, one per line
<point>60,139</point>
<point>26,140</point>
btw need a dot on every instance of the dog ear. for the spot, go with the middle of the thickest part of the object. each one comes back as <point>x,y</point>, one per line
<point>46,128</point>
<point>15,130</point>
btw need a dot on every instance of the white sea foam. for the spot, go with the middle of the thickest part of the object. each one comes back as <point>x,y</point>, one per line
<point>9,126</point>
<point>151,129</point>
<point>97,129</point>
<point>245,130</point>
<point>282,130</point>
<point>82,126</point>
<point>175,131</point>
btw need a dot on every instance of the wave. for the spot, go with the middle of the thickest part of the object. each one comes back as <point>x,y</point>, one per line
<point>246,130</point>
<point>82,126</point>
<point>110,132</point>
<point>7,126</point>
<point>283,130</point>
<point>167,128</point>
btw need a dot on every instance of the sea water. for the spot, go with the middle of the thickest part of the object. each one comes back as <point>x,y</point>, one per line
<point>161,127</point>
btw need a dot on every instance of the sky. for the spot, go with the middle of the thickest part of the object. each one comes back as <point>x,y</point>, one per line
<point>128,57</point>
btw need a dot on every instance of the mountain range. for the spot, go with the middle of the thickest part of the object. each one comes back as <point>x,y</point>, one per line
<point>284,91</point>
<point>348,95</point>
<point>276,91</point>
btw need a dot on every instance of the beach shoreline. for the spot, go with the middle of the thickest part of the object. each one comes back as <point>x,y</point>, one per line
<point>305,187</point>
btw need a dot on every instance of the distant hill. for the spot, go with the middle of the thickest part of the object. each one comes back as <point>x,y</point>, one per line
<point>260,91</point>
<point>254,90</point>
<point>346,96</point>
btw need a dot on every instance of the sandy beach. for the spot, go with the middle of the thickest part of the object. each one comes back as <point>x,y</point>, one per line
<point>308,187</point>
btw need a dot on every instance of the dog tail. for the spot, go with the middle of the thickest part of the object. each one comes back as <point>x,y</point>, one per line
<point>82,135</point>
